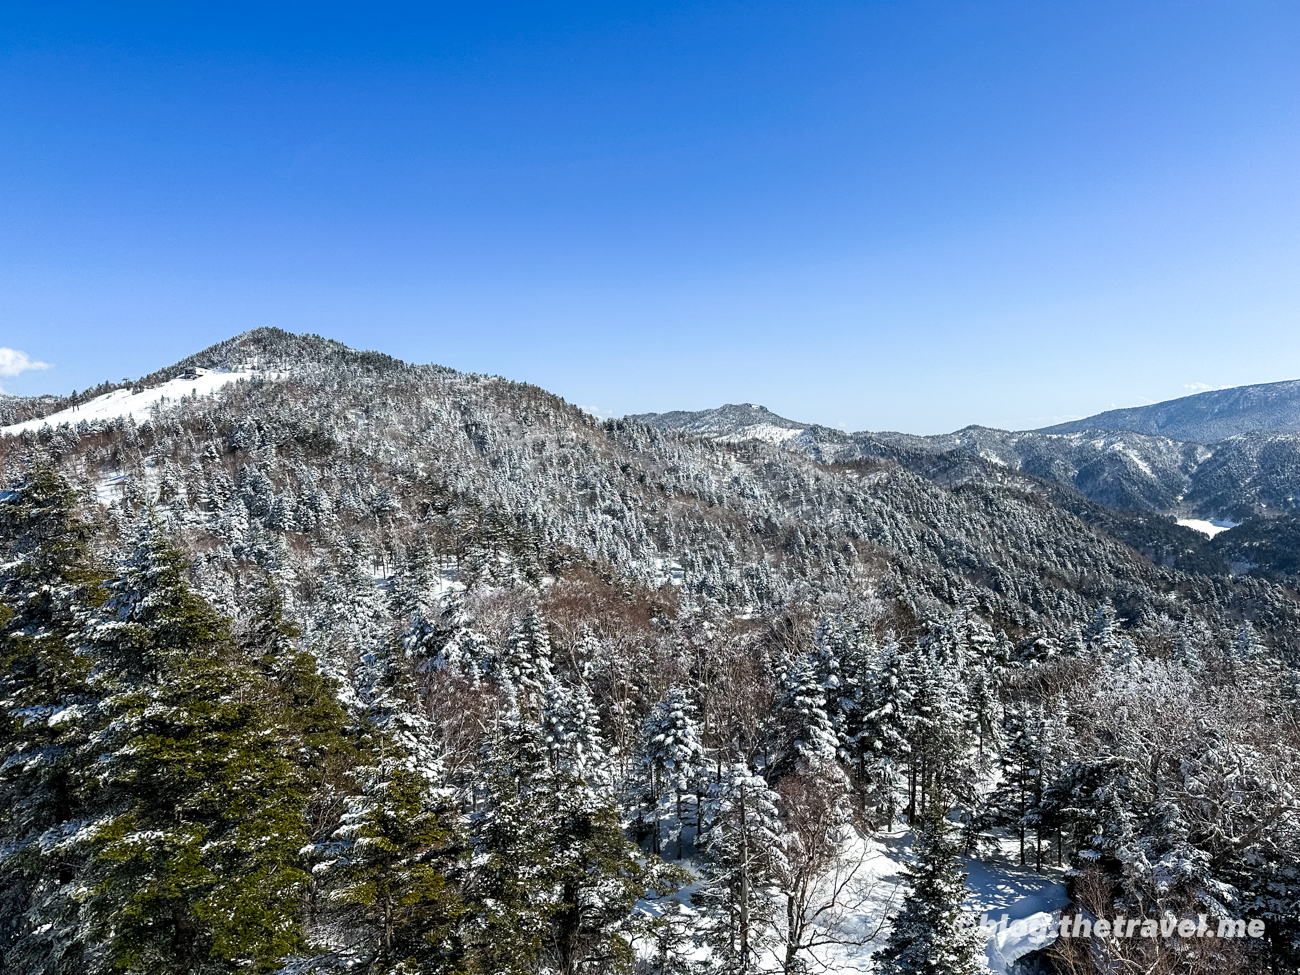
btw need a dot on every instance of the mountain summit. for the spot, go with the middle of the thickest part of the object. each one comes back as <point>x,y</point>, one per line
<point>733,421</point>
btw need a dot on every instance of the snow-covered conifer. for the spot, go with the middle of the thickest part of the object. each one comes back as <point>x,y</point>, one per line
<point>930,934</point>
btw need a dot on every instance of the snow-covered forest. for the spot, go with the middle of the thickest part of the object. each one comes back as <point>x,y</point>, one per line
<point>341,664</point>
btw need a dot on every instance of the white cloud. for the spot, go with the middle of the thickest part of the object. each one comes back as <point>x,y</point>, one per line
<point>1197,387</point>
<point>12,362</point>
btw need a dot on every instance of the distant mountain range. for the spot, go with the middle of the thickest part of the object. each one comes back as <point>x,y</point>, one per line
<point>1254,473</point>
<point>1138,487</point>
<point>1204,417</point>
<point>1161,496</point>
<point>1224,454</point>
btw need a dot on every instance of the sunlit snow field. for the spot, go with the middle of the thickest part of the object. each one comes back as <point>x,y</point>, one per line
<point>139,406</point>
<point>1211,528</point>
<point>998,885</point>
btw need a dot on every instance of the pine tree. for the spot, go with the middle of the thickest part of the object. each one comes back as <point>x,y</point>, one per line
<point>448,640</point>
<point>742,843</point>
<point>1020,791</point>
<point>388,869</point>
<point>48,713</point>
<point>310,727</point>
<point>195,859</point>
<point>938,732</point>
<point>525,662</point>
<point>847,700</point>
<point>1104,631</point>
<point>808,739</point>
<point>883,741</point>
<point>570,724</point>
<point>673,754</point>
<point>556,880</point>
<point>510,882</point>
<point>930,935</point>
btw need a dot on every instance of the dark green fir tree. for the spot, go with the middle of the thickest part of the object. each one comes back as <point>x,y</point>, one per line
<point>931,934</point>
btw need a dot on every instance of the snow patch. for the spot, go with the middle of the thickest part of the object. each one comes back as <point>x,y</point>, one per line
<point>109,487</point>
<point>666,570</point>
<point>1031,901</point>
<point>769,432</point>
<point>1211,527</point>
<point>139,406</point>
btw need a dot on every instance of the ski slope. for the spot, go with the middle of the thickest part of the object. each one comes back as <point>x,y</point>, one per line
<point>139,406</point>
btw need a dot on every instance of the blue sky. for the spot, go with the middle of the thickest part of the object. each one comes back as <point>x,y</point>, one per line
<point>885,215</point>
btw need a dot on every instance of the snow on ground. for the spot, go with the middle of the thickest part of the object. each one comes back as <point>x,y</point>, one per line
<point>999,887</point>
<point>762,431</point>
<point>1211,527</point>
<point>140,406</point>
<point>666,571</point>
<point>1030,902</point>
<point>108,487</point>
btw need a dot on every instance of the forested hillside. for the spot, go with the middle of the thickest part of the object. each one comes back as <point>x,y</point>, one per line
<point>1249,478</point>
<point>355,665</point>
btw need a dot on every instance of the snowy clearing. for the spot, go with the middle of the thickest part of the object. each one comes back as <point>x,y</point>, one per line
<point>139,406</point>
<point>769,432</point>
<point>1211,528</point>
<point>998,886</point>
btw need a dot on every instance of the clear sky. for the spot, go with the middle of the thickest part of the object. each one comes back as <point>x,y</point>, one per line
<point>886,215</point>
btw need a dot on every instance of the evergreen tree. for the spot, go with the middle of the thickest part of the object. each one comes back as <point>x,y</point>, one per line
<point>525,662</point>
<point>1104,631</point>
<point>48,713</point>
<point>808,739</point>
<point>312,726</point>
<point>510,882</point>
<point>195,857</point>
<point>930,935</point>
<point>571,728</point>
<point>938,733</point>
<point>884,743</point>
<point>742,843</point>
<point>555,879</point>
<point>1020,791</point>
<point>448,639</point>
<point>673,754</point>
<point>388,868</point>
<point>847,699</point>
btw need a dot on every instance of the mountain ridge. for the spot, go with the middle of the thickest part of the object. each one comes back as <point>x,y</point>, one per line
<point>1205,417</point>
<point>1131,486</point>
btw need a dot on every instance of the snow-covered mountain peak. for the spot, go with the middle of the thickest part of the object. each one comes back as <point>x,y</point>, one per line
<point>731,422</point>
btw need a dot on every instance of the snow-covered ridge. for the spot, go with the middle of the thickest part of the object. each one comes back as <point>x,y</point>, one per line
<point>139,406</point>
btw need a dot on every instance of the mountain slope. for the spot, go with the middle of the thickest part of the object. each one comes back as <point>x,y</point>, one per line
<point>347,460</point>
<point>1204,417</point>
<point>1130,485</point>
<point>734,421</point>
<point>1247,475</point>
<point>533,613</point>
